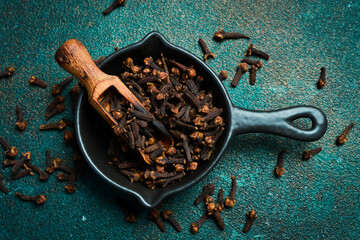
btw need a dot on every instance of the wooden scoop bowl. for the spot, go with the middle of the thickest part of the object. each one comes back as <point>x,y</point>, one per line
<point>75,59</point>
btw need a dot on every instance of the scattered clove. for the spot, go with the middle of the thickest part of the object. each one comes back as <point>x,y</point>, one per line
<point>8,71</point>
<point>56,89</point>
<point>342,138</point>
<point>230,201</point>
<point>321,82</point>
<point>307,154</point>
<point>223,75</point>
<point>195,226</point>
<point>241,70</point>
<point>115,4</point>
<point>208,189</point>
<point>252,72</point>
<point>9,150</point>
<point>222,35</point>
<point>39,199</point>
<point>251,51</point>
<point>154,215</point>
<point>51,126</point>
<point>279,169</point>
<point>37,82</point>
<point>3,188</point>
<point>207,53</point>
<point>21,123</point>
<point>49,162</point>
<point>130,215</point>
<point>251,216</point>
<point>168,215</point>
<point>58,109</point>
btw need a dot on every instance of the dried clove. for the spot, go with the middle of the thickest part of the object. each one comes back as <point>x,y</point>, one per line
<point>223,75</point>
<point>342,138</point>
<point>252,72</point>
<point>195,226</point>
<point>21,123</point>
<point>58,109</point>
<point>230,201</point>
<point>251,51</point>
<point>39,199</point>
<point>207,53</point>
<point>154,215</point>
<point>241,70</point>
<point>208,189</point>
<point>3,188</point>
<point>251,216</point>
<point>251,62</point>
<point>168,215</point>
<point>56,89</point>
<point>279,169</point>
<point>8,71</point>
<point>42,175</point>
<point>37,82</point>
<point>51,126</point>
<point>307,154</point>
<point>222,35</point>
<point>49,164</point>
<point>114,5</point>
<point>322,81</point>
<point>20,174</point>
<point>58,99</point>
<point>9,150</point>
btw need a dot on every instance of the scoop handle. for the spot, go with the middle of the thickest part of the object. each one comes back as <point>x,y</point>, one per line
<point>279,122</point>
<point>75,59</point>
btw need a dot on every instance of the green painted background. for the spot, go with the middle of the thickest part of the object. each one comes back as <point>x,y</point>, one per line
<point>314,199</point>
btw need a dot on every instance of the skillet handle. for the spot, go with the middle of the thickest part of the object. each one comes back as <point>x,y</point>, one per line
<point>279,122</point>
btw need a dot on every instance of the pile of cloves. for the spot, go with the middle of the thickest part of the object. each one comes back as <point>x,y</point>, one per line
<point>176,99</point>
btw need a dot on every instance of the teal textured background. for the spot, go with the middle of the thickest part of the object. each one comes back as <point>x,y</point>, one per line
<point>315,199</point>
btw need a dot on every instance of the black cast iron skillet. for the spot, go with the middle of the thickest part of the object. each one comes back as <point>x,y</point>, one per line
<point>94,144</point>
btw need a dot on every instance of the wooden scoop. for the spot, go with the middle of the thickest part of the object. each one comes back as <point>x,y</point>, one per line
<point>75,59</point>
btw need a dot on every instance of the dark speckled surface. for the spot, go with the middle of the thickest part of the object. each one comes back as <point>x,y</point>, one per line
<point>313,199</point>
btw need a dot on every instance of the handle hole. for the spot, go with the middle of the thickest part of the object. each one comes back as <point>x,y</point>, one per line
<point>303,123</point>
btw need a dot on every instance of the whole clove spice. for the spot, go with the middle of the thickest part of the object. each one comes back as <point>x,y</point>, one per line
<point>9,150</point>
<point>8,71</point>
<point>154,215</point>
<point>56,88</point>
<point>54,126</point>
<point>20,174</point>
<point>43,176</point>
<point>251,216</point>
<point>58,99</point>
<point>21,123</point>
<point>222,35</point>
<point>230,201</point>
<point>114,5</point>
<point>168,215</point>
<point>223,75</point>
<point>37,82</point>
<point>49,163</point>
<point>279,169</point>
<point>321,82</point>
<point>39,199</point>
<point>342,138</point>
<point>251,51</point>
<point>307,154</point>
<point>208,189</point>
<point>58,109</point>
<point>207,53</point>
<point>251,62</point>
<point>253,69</point>
<point>241,70</point>
<point>195,226</point>
<point>3,188</point>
